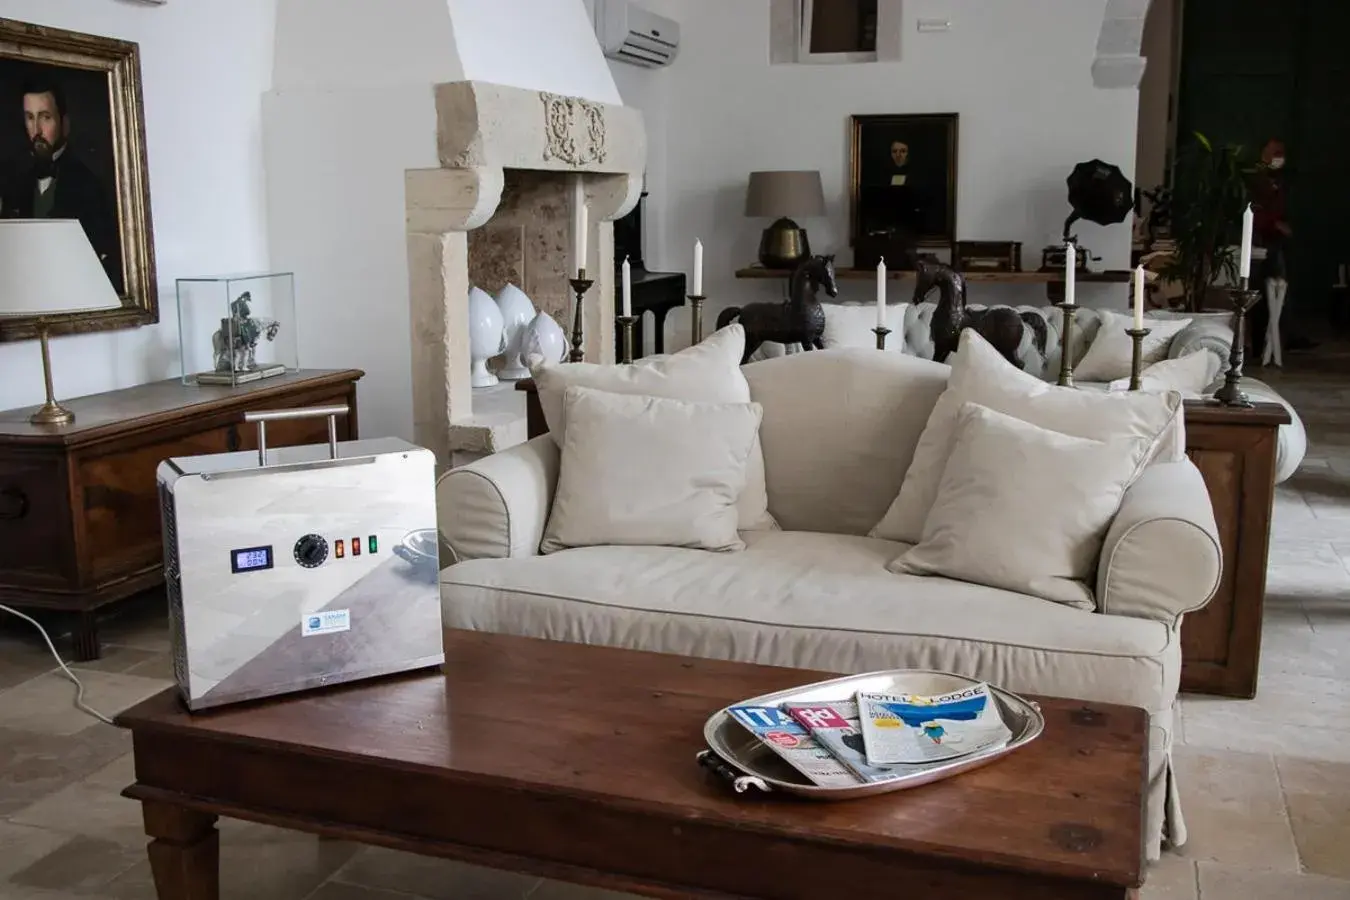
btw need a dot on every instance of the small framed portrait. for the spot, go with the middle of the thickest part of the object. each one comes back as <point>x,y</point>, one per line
<point>903,178</point>
<point>72,146</point>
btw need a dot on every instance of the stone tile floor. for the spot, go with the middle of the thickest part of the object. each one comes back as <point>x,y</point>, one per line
<point>1266,781</point>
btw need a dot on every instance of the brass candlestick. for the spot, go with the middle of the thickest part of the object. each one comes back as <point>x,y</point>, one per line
<point>580,285</point>
<point>696,316</point>
<point>1066,344</point>
<point>881,331</point>
<point>626,324</point>
<point>1230,394</point>
<point>1137,335</point>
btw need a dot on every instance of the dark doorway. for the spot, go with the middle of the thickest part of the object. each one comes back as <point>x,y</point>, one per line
<point>1255,69</point>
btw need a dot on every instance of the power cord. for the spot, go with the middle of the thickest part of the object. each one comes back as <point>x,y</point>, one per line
<point>79,688</point>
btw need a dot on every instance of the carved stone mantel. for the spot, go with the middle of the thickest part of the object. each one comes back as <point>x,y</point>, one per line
<point>483,132</point>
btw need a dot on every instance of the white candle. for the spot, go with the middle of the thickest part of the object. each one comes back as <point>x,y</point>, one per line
<point>627,288</point>
<point>698,268</point>
<point>1245,264</point>
<point>881,293</point>
<point>1139,299</point>
<point>1070,273</point>
<point>580,225</point>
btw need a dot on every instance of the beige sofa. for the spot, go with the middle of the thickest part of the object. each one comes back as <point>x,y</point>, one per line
<point>839,431</point>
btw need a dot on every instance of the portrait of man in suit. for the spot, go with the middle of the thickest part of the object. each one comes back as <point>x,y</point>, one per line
<point>904,176</point>
<point>49,174</point>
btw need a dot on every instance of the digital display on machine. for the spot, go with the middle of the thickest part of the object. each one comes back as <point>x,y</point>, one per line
<point>250,559</point>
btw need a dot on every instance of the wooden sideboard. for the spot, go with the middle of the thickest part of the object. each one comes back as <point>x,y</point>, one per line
<point>79,504</point>
<point>1235,451</point>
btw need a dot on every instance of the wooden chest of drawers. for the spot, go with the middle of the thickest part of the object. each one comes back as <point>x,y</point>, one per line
<point>79,507</point>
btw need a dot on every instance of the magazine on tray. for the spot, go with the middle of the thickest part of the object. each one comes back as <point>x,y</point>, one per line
<point>782,734</point>
<point>835,727</point>
<point>910,728</point>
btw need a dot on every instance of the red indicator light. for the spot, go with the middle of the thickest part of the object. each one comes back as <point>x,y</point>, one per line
<point>356,546</point>
<point>337,548</point>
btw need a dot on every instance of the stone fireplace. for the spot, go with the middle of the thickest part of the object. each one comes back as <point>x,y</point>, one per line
<point>500,209</point>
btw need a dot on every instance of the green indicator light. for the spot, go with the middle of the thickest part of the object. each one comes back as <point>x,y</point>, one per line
<point>373,544</point>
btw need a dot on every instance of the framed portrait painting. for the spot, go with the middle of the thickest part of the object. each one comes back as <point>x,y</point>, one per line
<point>903,178</point>
<point>72,146</point>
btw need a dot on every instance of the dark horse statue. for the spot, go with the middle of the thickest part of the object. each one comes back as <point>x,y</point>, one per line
<point>800,319</point>
<point>1001,326</point>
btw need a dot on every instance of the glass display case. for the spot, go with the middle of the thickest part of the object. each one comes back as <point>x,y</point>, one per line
<point>235,329</point>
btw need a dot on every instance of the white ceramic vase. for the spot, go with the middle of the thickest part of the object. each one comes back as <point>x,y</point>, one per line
<point>517,313</point>
<point>544,340</point>
<point>486,335</point>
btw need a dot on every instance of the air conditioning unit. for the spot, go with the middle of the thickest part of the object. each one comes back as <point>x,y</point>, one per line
<point>635,35</point>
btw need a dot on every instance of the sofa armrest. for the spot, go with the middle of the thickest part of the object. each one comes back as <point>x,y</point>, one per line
<point>496,507</point>
<point>1207,331</point>
<point>1161,557</point>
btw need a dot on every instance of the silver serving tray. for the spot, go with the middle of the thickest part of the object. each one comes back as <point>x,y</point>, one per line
<point>741,758</point>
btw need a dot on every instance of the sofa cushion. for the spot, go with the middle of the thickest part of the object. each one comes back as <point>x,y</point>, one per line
<point>1111,354</point>
<point>647,470</point>
<point>839,431</point>
<point>981,375</point>
<point>708,372</point>
<point>976,529</point>
<point>851,324</point>
<point>819,601</point>
<point>1189,375</point>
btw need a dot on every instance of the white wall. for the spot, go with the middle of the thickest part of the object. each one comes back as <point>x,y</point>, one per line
<point>1155,94</point>
<point>533,44</point>
<point>1019,74</point>
<point>205,65</point>
<point>350,111</point>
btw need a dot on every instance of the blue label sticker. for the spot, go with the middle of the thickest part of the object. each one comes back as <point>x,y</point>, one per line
<point>329,621</point>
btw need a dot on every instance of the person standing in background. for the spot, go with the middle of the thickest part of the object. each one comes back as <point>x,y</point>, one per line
<point>1272,232</point>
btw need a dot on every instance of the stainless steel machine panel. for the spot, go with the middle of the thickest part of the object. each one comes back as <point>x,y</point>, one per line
<point>301,566</point>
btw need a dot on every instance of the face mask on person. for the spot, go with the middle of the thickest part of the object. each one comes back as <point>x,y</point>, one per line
<point>1277,162</point>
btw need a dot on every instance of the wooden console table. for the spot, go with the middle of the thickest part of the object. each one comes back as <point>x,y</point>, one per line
<point>1235,451</point>
<point>1114,276</point>
<point>79,504</point>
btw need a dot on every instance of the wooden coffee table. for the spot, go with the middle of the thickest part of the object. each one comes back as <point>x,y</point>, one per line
<point>577,762</point>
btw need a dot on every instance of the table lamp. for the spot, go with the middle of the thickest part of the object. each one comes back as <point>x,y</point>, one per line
<point>782,195</point>
<point>49,268</point>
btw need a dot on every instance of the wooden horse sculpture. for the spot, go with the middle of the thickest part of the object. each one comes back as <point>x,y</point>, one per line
<point>1001,326</point>
<point>800,319</point>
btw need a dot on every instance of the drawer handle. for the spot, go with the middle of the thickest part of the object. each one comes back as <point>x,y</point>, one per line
<point>13,504</point>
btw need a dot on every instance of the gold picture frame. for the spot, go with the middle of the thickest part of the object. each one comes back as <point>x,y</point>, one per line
<point>926,213</point>
<point>99,78</point>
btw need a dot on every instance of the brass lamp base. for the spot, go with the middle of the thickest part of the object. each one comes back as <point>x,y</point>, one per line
<point>783,245</point>
<point>52,414</point>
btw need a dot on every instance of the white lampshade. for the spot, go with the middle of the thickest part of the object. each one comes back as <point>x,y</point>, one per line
<point>48,266</point>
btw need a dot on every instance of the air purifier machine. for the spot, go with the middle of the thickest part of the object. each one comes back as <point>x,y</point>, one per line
<point>298,567</point>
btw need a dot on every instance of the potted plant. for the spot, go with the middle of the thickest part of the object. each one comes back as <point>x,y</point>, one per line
<point>1208,197</point>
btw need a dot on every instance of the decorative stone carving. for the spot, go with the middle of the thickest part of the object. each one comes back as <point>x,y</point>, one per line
<point>575,143</point>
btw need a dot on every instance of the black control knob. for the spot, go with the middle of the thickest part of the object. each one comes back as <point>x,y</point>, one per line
<point>311,550</point>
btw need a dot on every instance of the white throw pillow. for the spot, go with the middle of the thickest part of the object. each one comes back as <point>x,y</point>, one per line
<point>851,324</point>
<point>981,375</point>
<point>1112,351</point>
<point>708,372</point>
<point>650,471</point>
<point>1188,375</point>
<point>1023,508</point>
